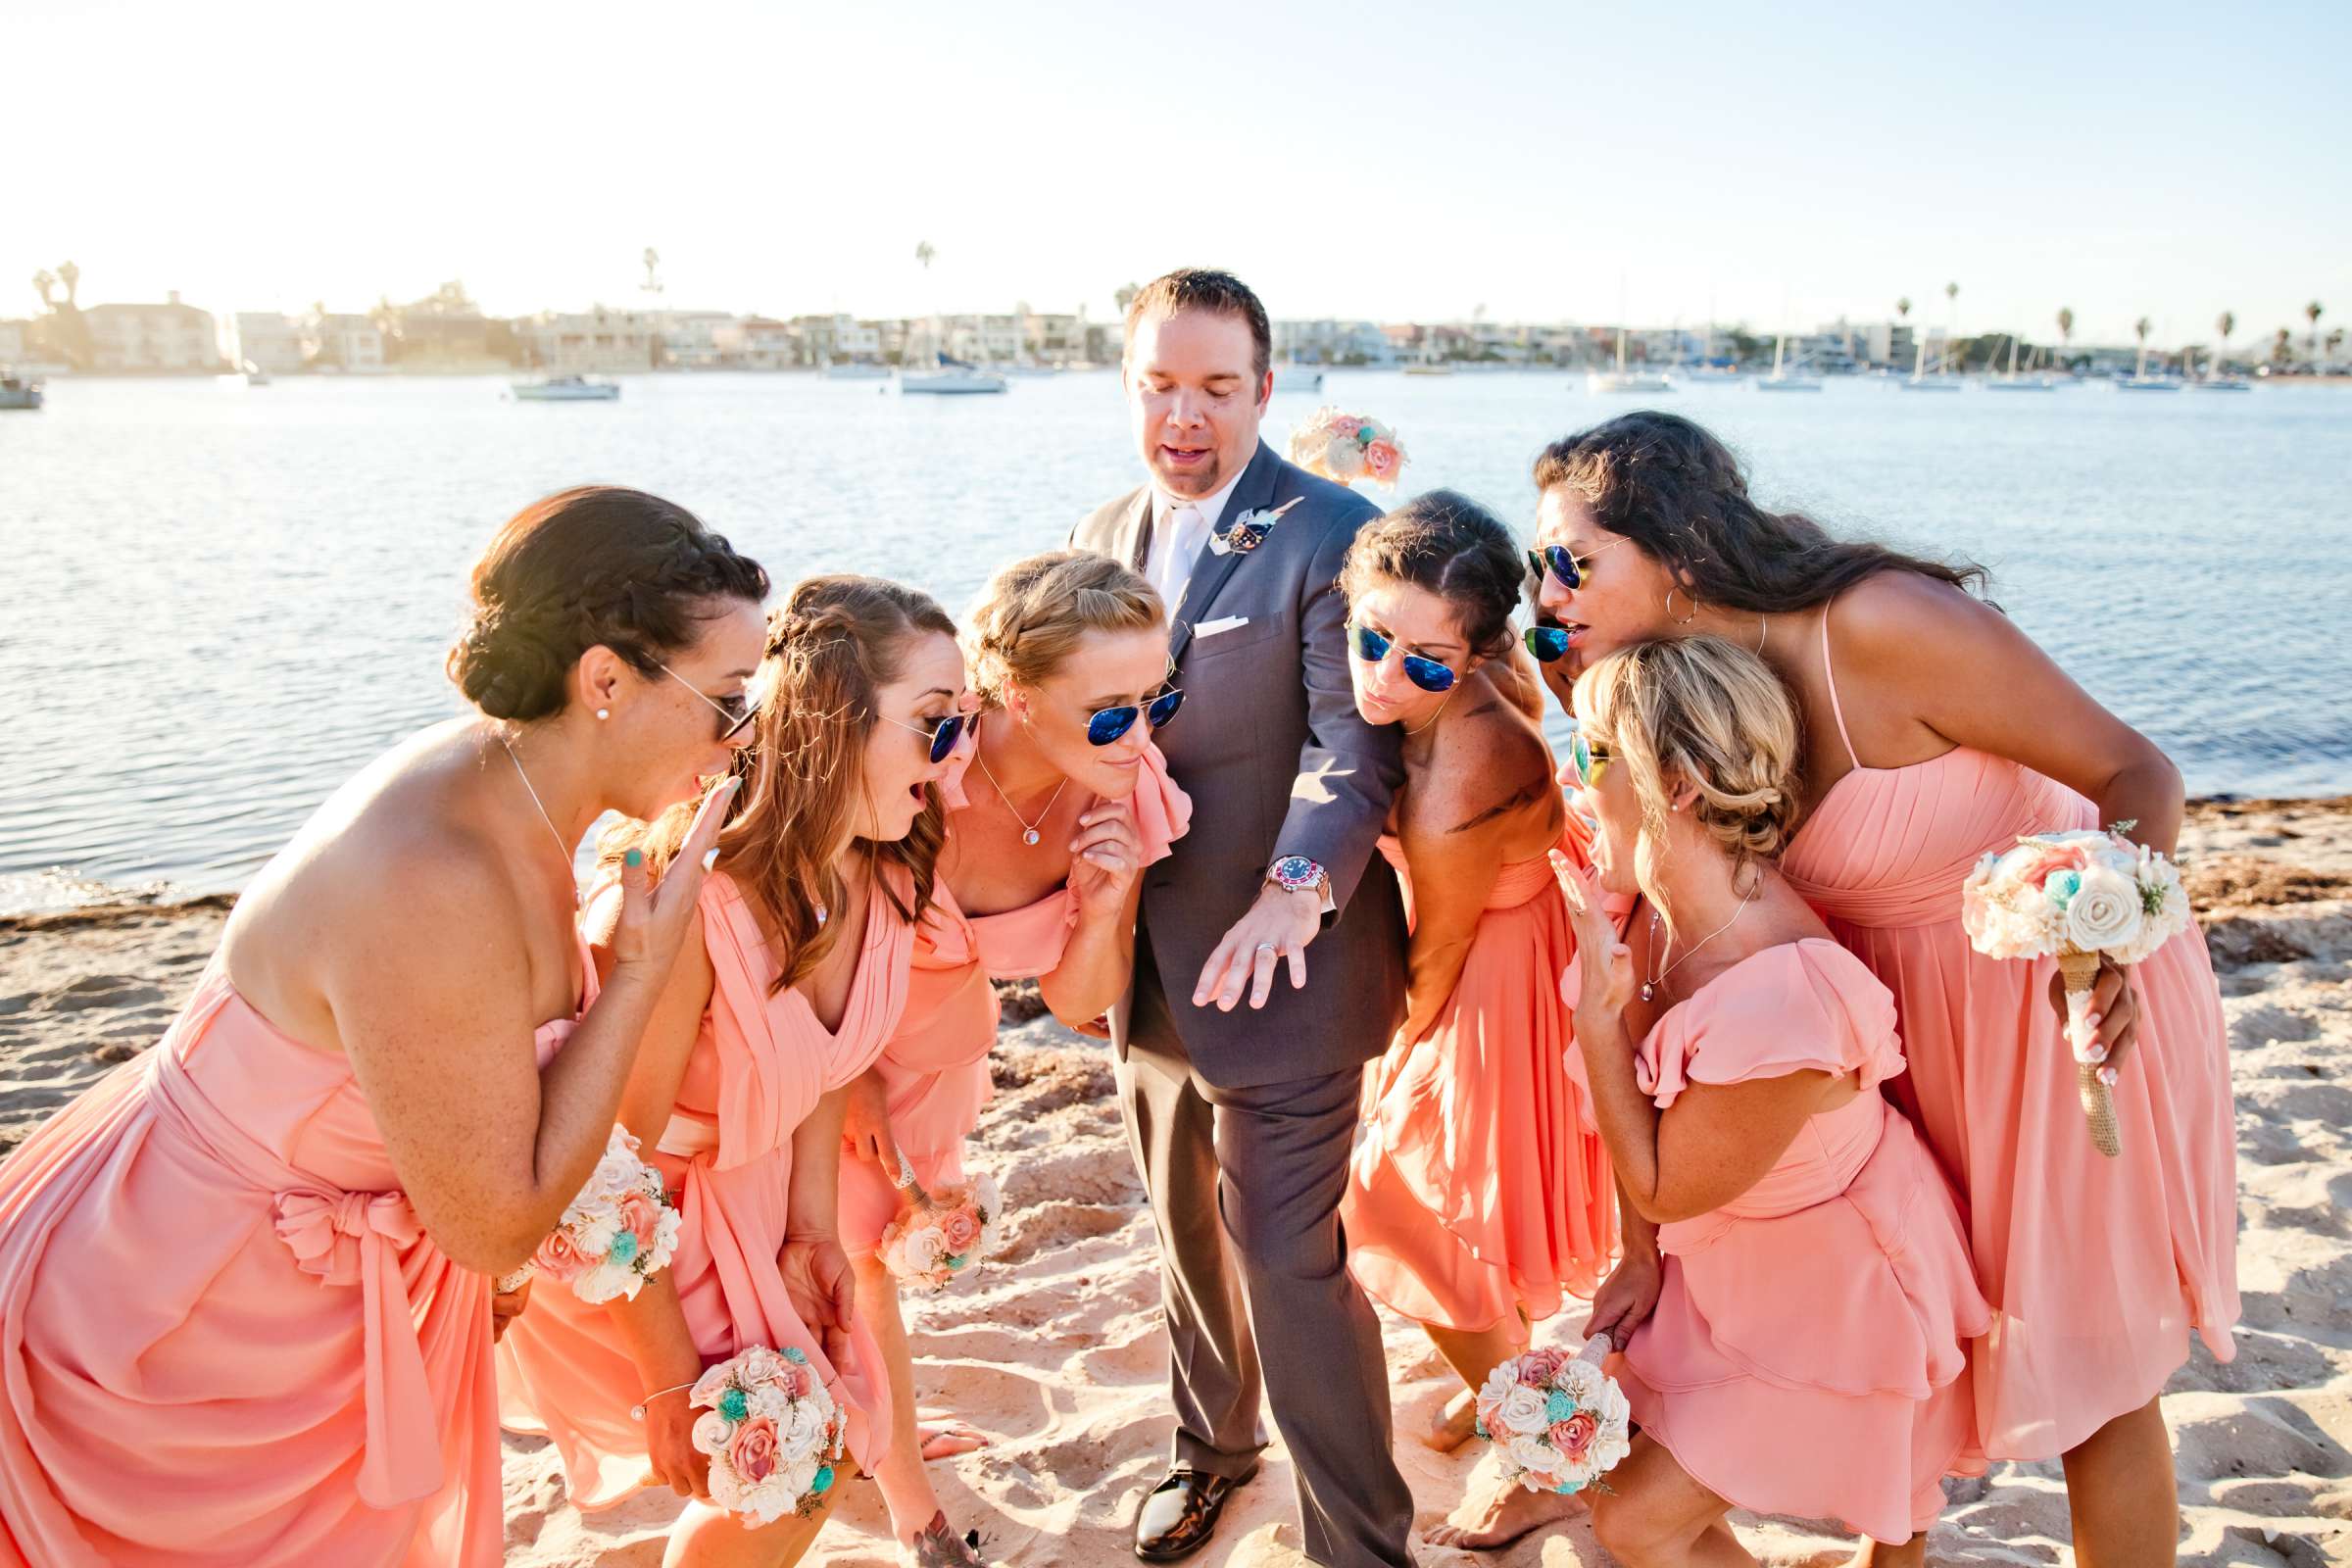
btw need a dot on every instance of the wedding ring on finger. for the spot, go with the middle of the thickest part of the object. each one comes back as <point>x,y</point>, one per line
<point>1268,947</point>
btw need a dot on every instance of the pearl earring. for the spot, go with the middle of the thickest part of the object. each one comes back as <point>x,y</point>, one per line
<point>604,712</point>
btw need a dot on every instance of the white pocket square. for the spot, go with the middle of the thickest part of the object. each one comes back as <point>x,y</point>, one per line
<point>1209,628</point>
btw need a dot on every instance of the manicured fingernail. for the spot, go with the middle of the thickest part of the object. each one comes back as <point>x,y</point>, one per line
<point>2109,1076</point>
<point>634,859</point>
<point>2096,1052</point>
<point>2091,1021</point>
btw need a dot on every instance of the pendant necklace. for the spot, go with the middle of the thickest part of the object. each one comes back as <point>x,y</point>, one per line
<point>1650,986</point>
<point>1029,829</point>
<point>553,831</point>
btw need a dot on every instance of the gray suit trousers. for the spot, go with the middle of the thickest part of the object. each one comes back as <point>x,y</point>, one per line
<point>1245,1187</point>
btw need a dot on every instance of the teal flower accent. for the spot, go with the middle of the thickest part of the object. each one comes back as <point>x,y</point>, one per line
<point>1363,435</point>
<point>956,1261</point>
<point>624,1247</point>
<point>796,1356</point>
<point>1558,1408</point>
<point>733,1405</point>
<point>823,1481</point>
<point>2062,886</point>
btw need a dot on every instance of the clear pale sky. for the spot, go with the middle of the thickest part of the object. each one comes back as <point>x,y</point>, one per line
<point>1389,160</point>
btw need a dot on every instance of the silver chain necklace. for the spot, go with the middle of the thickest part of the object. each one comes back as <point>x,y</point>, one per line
<point>553,831</point>
<point>1650,986</point>
<point>1029,829</point>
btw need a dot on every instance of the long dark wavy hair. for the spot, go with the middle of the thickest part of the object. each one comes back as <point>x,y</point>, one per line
<point>1680,496</point>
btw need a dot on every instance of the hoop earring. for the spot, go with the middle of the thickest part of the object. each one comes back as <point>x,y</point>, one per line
<point>1680,620</point>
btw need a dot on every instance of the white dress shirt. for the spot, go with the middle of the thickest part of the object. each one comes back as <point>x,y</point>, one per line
<point>1179,528</point>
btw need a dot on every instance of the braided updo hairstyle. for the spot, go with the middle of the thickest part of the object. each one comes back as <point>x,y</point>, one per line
<point>1710,713</point>
<point>598,565</point>
<point>1033,614</point>
<point>1449,545</point>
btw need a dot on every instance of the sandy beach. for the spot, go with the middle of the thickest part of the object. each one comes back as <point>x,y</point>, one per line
<point>1056,1349</point>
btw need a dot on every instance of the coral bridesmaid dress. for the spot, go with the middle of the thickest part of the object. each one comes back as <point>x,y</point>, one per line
<point>225,1336</point>
<point>935,1069</point>
<point>1805,1355</point>
<point>1480,1190</point>
<point>760,1065</point>
<point>2097,1269</point>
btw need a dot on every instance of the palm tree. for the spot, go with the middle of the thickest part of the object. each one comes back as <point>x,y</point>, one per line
<point>42,282</point>
<point>2278,346</point>
<point>923,253</point>
<point>2226,325</point>
<point>2066,325</point>
<point>71,275</point>
<point>2311,314</point>
<point>2139,330</point>
<point>2336,340</point>
<point>653,269</point>
<point>1902,308</point>
<point>1124,296</point>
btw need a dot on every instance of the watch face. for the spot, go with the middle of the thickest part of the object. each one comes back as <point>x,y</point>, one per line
<point>1295,870</point>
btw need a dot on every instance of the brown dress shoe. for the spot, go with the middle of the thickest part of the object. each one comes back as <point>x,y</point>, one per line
<point>1179,1515</point>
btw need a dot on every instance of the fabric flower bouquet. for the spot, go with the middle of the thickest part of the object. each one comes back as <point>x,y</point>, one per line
<point>773,1433</point>
<point>941,1234</point>
<point>1346,447</point>
<point>2076,896</point>
<point>1556,1420</point>
<point>618,1233</point>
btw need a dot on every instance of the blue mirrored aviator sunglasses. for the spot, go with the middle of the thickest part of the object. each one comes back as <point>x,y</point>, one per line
<point>1107,724</point>
<point>942,738</point>
<point>1549,644</point>
<point>1562,563</point>
<point>1427,673</point>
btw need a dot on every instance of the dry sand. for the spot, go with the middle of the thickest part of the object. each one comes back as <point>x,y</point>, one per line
<point>1057,1349</point>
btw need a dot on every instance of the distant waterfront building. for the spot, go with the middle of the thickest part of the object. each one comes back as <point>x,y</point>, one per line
<point>342,340</point>
<point>1333,342</point>
<point>755,343</point>
<point>1886,345</point>
<point>13,342</point>
<point>152,339</point>
<point>824,339</point>
<point>268,340</point>
<point>444,331</point>
<point>690,338</point>
<point>578,342</point>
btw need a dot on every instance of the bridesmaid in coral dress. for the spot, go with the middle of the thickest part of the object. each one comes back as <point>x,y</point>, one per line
<point>1039,880</point>
<point>2098,1271</point>
<point>1804,1351</point>
<point>796,981</point>
<point>245,1282</point>
<point>1480,1199</point>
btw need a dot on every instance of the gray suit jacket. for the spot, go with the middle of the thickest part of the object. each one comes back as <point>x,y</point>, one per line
<point>1277,762</point>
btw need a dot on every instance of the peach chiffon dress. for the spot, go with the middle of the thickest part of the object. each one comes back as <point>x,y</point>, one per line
<point>759,1066</point>
<point>2097,1269</point>
<point>224,1335</point>
<point>1805,1357</point>
<point>1479,1189</point>
<point>935,1069</point>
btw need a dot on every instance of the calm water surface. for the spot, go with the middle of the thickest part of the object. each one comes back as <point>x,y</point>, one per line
<point>223,600</point>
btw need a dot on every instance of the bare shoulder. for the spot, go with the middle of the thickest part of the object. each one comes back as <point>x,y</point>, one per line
<point>1898,611</point>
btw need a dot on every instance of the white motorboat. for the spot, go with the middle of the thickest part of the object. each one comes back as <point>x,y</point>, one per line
<point>2222,383</point>
<point>18,391</point>
<point>1298,378</point>
<point>1786,377</point>
<point>567,389</point>
<point>951,377</point>
<point>1622,380</point>
<point>2147,383</point>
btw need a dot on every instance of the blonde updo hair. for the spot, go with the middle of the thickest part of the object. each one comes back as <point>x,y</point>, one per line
<point>1032,614</point>
<point>1710,712</point>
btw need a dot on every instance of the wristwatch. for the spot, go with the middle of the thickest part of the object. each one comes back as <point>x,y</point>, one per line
<point>1296,873</point>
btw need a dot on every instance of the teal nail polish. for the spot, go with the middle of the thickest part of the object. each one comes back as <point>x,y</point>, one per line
<point>634,859</point>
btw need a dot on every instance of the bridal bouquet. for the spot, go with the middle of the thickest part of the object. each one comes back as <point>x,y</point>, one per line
<point>1558,1420</point>
<point>941,1233</point>
<point>2076,896</point>
<point>772,1431</point>
<point>617,1232</point>
<point>1347,447</point>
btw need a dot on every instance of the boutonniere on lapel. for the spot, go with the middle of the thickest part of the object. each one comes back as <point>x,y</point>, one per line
<point>1238,536</point>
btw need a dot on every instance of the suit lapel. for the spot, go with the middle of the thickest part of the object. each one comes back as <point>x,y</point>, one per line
<point>1256,491</point>
<point>1131,538</point>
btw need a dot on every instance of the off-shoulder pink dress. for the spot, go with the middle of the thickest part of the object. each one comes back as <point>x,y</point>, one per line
<point>224,1335</point>
<point>759,1066</point>
<point>1480,1190</point>
<point>2097,1269</point>
<point>935,1069</point>
<point>1805,1357</point>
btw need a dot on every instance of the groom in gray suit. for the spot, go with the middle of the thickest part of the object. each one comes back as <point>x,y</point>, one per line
<point>1269,962</point>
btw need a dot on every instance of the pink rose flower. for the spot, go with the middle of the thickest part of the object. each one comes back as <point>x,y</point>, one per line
<point>1575,1434</point>
<point>960,1228</point>
<point>641,1214</point>
<point>2069,859</point>
<point>558,1259</point>
<point>1382,460</point>
<point>752,1452</point>
<point>1537,1368</point>
<point>796,1382</point>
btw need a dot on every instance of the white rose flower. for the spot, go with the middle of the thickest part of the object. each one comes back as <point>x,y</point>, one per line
<point>2171,918</point>
<point>922,1252</point>
<point>800,1433</point>
<point>794,1480</point>
<point>1522,1411</point>
<point>2105,912</point>
<point>1533,1454</point>
<point>1344,459</point>
<point>606,1281</point>
<point>710,1433</point>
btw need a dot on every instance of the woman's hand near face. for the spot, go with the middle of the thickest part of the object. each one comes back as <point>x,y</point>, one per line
<point>1106,858</point>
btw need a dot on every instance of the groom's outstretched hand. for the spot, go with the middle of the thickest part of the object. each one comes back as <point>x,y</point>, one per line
<point>1276,930</point>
